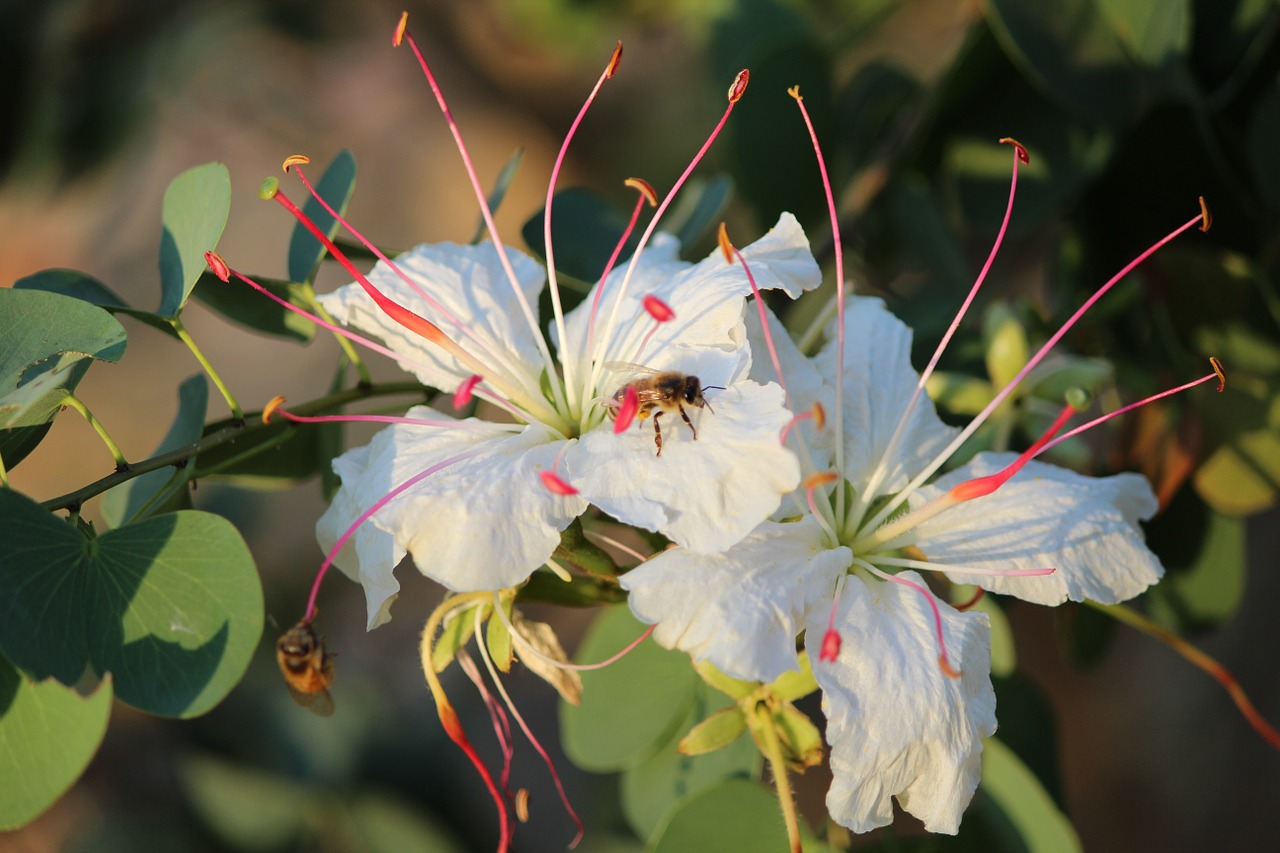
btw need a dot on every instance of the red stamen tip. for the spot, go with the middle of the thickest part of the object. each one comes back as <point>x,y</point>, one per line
<point>726,247</point>
<point>270,409</point>
<point>553,483</point>
<point>739,85</point>
<point>614,61</point>
<point>627,410</point>
<point>218,266</point>
<point>645,189</point>
<point>819,478</point>
<point>463,395</point>
<point>1021,149</point>
<point>819,415</point>
<point>947,669</point>
<point>401,25</point>
<point>830,646</point>
<point>1222,374</point>
<point>1206,218</point>
<point>658,310</point>
<point>295,160</point>
<point>794,92</point>
<point>269,188</point>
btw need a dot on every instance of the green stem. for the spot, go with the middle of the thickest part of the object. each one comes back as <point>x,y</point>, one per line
<point>4,474</point>
<point>231,432</point>
<point>73,402</point>
<point>186,338</point>
<point>576,548</point>
<point>778,769</point>
<point>347,347</point>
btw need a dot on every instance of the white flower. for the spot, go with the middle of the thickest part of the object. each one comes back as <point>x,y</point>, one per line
<point>482,519</point>
<point>905,678</point>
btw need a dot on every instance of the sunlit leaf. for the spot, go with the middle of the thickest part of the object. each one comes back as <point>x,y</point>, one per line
<point>1019,794</point>
<point>88,289</point>
<point>584,231</point>
<point>196,206</point>
<point>335,186</point>
<point>48,734</point>
<point>171,606</point>
<point>736,815</point>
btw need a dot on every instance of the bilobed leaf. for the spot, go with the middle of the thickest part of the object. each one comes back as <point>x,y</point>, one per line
<point>1042,826</point>
<point>631,708</point>
<point>124,503</point>
<point>196,206</point>
<point>48,734</point>
<point>335,186</point>
<point>171,606</point>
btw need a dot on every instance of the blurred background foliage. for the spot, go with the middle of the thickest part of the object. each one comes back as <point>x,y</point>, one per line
<point>1130,109</point>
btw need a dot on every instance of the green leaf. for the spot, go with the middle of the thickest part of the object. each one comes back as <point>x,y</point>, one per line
<point>631,708</point>
<point>584,230</point>
<point>171,606</point>
<point>335,186</point>
<point>196,206</point>
<point>123,504</point>
<point>715,732</point>
<point>1243,476</point>
<point>275,455</point>
<point>453,636</point>
<point>500,187</point>
<point>1071,51</point>
<point>700,205</point>
<point>48,734</point>
<point>241,304</point>
<point>1019,794</point>
<point>1206,561</point>
<point>498,638</point>
<point>248,808</point>
<point>737,815</point>
<point>382,824</point>
<point>1156,34</point>
<point>651,789</point>
<point>44,340</point>
<point>88,289</point>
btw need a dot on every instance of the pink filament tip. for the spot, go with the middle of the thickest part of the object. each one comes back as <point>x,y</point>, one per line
<point>553,483</point>
<point>739,86</point>
<point>627,410</point>
<point>658,310</point>
<point>830,646</point>
<point>463,395</point>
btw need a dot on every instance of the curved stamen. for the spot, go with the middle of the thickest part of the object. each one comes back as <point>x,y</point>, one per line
<point>497,714</point>
<point>943,661</point>
<point>1003,394</point>
<point>930,566</point>
<point>731,252</point>
<point>548,246</point>
<point>831,640</point>
<point>463,395</point>
<point>735,93</point>
<point>275,405</point>
<point>812,483</point>
<point>527,648</point>
<point>524,727</point>
<point>882,466</point>
<point>487,213</point>
<point>553,482</point>
<point>660,312</point>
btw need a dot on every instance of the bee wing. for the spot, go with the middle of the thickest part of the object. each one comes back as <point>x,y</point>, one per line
<point>319,703</point>
<point>628,371</point>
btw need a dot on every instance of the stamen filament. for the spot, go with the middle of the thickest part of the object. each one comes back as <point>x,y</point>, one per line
<point>899,431</point>
<point>526,648</point>
<point>930,566</point>
<point>519,718</point>
<point>1008,389</point>
<point>943,661</point>
<point>487,213</point>
<point>556,309</point>
<point>274,406</point>
<point>497,714</point>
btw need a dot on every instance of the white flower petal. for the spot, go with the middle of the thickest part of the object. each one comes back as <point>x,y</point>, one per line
<point>740,609</point>
<point>897,725</point>
<point>469,282</point>
<point>484,522</point>
<point>878,382</point>
<point>705,494</point>
<point>1046,516</point>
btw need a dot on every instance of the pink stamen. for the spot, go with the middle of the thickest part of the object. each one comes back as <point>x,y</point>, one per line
<point>626,410</point>
<point>274,406</point>
<point>736,91</point>
<point>943,661</point>
<point>873,482</point>
<point>497,716</point>
<point>462,396</point>
<point>646,195</point>
<point>929,566</point>
<point>730,253</point>
<point>1217,374</point>
<point>553,482</point>
<point>980,487</point>
<point>838,249</point>
<point>453,728</point>
<point>526,649</point>
<point>831,640</point>
<point>661,313</point>
<point>487,213</point>
<point>548,246</point>
<point>524,727</point>
<point>816,413</point>
<point>369,513</point>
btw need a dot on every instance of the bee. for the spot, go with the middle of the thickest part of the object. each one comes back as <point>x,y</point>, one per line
<point>659,392</point>
<point>307,668</point>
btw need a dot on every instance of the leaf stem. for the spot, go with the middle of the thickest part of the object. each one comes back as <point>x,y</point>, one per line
<point>348,349</point>
<point>72,401</point>
<point>778,769</point>
<point>183,335</point>
<point>231,432</point>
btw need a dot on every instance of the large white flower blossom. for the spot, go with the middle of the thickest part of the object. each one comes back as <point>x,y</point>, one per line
<point>901,720</point>
<point>483,519</point>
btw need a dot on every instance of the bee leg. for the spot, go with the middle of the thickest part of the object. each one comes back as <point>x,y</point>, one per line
<point>657,432</point>
<point>692,429</point>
